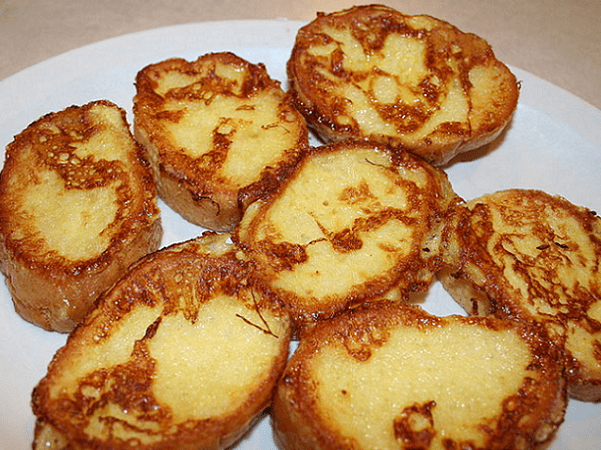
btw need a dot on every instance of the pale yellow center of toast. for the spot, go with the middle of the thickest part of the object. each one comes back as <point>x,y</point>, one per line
<point>175,79</point>
<point>73,222</point>
<point>332,193</point>
<point>391,77</point>
<point>204,368</point>
<point>467,371</point>
<point>257,131</point>
<point>208,368</point>
<point>71,219</point>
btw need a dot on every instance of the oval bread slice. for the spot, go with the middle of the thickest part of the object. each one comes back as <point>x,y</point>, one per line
<point>77,207</point>
<point>354,221</point>
<point>219,133</point>
<point>528,254</point>
<point>389,376</point>
<point>408,81</point>
<point>182,353</point>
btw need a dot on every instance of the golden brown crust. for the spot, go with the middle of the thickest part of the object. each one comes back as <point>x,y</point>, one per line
<point>355,221</point>
<point>130,371</point>
<point>77,207</point>
<point>309,403</point>
<point>219,133</point>
<point>415,82</point>
<point>528,254</point>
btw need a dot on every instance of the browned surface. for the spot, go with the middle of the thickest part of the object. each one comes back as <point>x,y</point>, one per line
<point>319,82</point>
<point>529,416</point>
<point>195,186</point>
<point>50,289</point>
<point>527,254</point>
<point>559,43</point>
<point>415,203</point>
<point>177,281</point>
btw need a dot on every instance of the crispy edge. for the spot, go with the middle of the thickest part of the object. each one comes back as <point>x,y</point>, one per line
<point>196,191</point>
<point>298,426</point>
<point>78,282</point>
<point>440,147</point>
<point>412,275</point>
<point>214,254</point>
<point>489,293</point>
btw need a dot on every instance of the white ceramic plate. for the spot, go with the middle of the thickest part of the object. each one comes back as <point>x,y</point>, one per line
<point>553,144</point>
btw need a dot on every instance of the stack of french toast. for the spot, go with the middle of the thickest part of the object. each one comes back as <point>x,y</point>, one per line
<point>328,245</point>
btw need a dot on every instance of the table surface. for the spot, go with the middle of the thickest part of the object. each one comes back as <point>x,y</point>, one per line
<point>555,40</point>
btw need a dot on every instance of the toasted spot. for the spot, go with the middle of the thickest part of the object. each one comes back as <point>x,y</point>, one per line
<point>78,207</point>
<point>373,401</point>
<point>220,133</point>
<point>350,224</point>
<point>535,256</point>
<point>388,376</point>
<point>414,82</point>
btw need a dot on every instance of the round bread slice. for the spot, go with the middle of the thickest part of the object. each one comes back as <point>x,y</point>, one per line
<point>219,133</point>
<point>78,206</point>
<point>183,353</point>
<point>356,220</point>
<point>408,81</point>
<point>528,254</point>
<point>391,376</point>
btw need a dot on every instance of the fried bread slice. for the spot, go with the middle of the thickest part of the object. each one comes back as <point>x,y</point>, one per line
<point>182,353</point>
<point>77,207</point>
<point>354,221</point>
<point>391,376</point>
<point>219,133</point>
<point>411,81</point>
<point>531,255</point>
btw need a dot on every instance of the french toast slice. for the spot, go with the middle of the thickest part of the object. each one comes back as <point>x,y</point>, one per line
<point>534,256</point>
<point>182,353</point>
<point>219,133</point>
<point>391,376</point>
<point>77,206</point>
<point>355,220</point>
<point>408,81</point>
